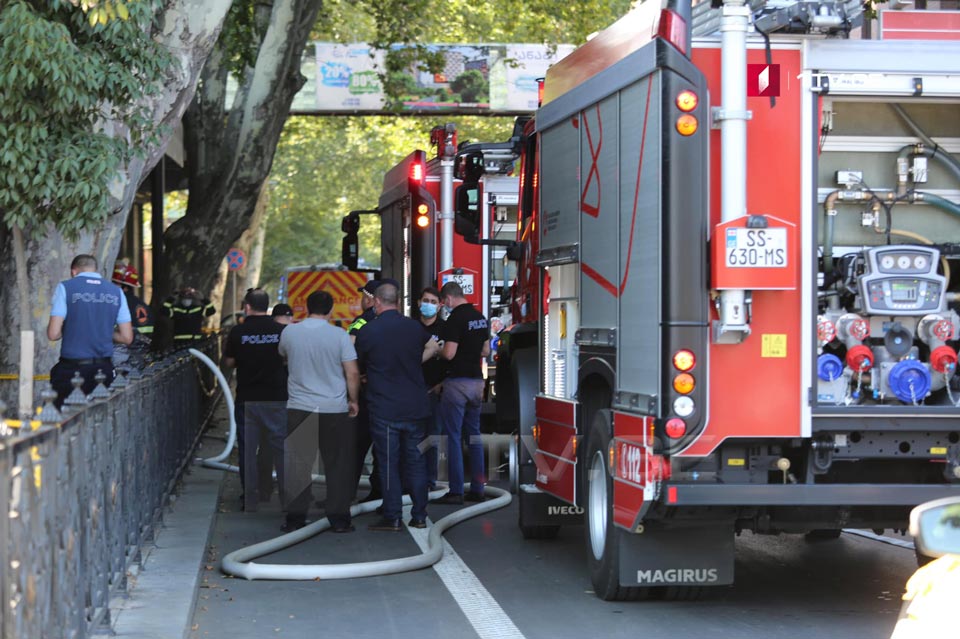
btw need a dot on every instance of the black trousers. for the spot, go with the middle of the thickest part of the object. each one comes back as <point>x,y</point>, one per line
<point>62,373</point>
<point>335,435</point>
<point>364,445</point>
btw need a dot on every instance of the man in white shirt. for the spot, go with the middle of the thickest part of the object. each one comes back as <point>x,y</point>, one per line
<point>323,384</point>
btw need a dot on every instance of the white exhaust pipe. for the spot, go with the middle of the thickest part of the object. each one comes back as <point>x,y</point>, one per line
<point>733,116</point>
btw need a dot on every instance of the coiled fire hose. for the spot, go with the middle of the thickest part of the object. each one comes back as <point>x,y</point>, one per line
<point>239,562</point>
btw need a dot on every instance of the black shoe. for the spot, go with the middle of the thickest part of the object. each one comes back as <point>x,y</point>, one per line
<point>343,527</point>
<point>476,497</point>
<point>449,499</point>
<point>417,523</point>
<point>386,525</point>
<point>292,524</point>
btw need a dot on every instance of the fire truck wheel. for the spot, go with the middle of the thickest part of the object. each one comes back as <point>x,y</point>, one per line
<point>602,536</point>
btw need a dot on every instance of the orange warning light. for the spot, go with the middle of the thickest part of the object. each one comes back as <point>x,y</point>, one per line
<point>687,101</point>
<point>687,125</point>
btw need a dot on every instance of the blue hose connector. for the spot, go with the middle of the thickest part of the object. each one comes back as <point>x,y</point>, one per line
<point>829,367</point>
<point>910,381</point>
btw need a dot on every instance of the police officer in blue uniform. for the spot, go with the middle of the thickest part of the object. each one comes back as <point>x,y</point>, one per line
<point>90,314</point>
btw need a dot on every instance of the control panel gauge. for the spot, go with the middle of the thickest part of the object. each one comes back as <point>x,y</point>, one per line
<point>902,280</point>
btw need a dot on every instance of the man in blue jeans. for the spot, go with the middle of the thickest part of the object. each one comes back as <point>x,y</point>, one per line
<point>392,350</point>
<point>465,337</point>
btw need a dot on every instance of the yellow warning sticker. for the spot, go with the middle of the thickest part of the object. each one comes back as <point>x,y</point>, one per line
<point>937,450</point>
<point>733,461</point>
<point>773,345</point>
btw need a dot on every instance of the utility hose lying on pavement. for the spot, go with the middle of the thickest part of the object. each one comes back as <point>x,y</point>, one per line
<point>239,562</point>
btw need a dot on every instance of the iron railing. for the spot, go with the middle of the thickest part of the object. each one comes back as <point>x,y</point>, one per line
<point>82,492</point>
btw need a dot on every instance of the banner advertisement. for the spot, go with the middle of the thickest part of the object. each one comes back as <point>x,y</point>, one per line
<point>494,78</point>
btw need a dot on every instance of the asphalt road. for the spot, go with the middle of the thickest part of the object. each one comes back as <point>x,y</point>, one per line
<point>785,587</point>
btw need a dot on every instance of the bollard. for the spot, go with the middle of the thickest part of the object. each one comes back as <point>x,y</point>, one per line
<point>76,399</point>
<point>100,391</point>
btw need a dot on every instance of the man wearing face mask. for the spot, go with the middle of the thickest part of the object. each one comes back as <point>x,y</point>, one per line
<point>434,370</point>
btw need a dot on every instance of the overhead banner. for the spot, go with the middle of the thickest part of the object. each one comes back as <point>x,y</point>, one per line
<point>494,78</point>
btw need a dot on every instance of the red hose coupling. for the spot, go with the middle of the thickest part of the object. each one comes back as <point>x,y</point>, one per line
<point>860,358</point>
<point>943,358</point>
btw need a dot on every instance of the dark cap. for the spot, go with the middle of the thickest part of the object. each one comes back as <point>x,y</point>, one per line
<point>370,287</point>
<point>280,310</point>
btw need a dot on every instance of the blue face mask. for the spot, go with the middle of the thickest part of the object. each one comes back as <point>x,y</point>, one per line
<point>428,310</point>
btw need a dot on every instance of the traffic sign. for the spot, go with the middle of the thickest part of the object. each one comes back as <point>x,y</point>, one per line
<point>236,259</point>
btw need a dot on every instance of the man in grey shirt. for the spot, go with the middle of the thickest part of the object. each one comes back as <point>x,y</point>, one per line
<point>323,384</point>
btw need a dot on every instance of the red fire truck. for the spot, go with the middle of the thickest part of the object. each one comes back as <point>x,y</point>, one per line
<point>736,300</point>
<point>417,251</point>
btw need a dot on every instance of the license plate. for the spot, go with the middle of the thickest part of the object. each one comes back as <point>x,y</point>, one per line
<point>463,279</point>
<point>756,248</point>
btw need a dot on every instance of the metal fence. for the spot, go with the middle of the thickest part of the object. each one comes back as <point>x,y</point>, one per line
<point>82,492</point>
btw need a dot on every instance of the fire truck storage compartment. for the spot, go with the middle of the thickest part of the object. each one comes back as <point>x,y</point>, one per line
<point>888,223</point>
<point>592,159</point>
<point>560,353</point>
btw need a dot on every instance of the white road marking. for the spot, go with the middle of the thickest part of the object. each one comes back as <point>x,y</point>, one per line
<point>902,543</point>
<point>478,605</point>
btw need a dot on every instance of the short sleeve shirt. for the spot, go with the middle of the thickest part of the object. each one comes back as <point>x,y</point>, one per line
<point>468,328</point>
<point>434,370</point>
<point>391,349</point>
<point>315,351</point>
<point>58,305</point>
<point>261,373</point>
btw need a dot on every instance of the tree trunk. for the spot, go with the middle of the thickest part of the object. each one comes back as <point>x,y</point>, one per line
<point>189,29</point>
<point>230,153</point>
<point>251,243</point>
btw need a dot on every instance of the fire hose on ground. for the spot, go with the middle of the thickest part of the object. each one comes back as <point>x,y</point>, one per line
<point>240,562</point>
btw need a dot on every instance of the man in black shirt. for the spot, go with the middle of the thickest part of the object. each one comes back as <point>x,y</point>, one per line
<point>466,342</point>
<point>260,411</point>
<point>392,350</point>
<point>434,370</point>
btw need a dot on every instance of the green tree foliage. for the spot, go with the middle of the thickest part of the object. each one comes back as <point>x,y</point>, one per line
<point>65,73</point>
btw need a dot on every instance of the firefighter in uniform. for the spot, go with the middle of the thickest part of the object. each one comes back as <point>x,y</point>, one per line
<point>188,309</point>
<point>127,278</point>
<point>89,314</point>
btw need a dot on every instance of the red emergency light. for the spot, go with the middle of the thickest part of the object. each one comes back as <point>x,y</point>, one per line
<point>416,172</point>
<point>540,83</point>
<point>673,29</point>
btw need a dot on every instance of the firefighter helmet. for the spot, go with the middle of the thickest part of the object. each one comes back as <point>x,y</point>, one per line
<point>125,274</point>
